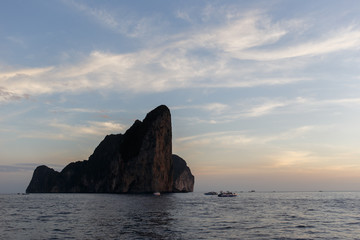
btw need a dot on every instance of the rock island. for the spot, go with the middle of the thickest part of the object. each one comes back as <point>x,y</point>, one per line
<point>138,161</point>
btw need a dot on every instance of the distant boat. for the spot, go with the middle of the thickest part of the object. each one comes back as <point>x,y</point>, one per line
<point>156,194</point>
<point>211,193</point>
<point>227,194</point>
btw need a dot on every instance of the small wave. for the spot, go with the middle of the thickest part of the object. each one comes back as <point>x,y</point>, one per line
<point>59,230</point>
<point>353,223</point>
<point>304,226</point>
<point>171,218</point>
<point>63,213</point>
<point>222,228</point>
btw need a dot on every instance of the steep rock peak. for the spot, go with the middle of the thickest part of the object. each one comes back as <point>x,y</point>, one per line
<point>140,160</point>
<point>134,136</point>
<point>160,111</point>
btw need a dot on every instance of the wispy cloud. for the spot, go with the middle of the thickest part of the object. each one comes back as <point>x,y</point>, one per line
<point>15,114</point>
<point>71,131</point>
<point>264,109</point>
<point>205,139</point>
<point>6,96</point>
<point>236,139</point>
<point>184,15</point>
<point>24,167</point>
<point>93,128</point>
<point>256,108</point>
<point>202,58</point>
<point>342,39</point>
<point>307,160</point>
<point>121,22</point>
<point>84,110</point>
<point>291,159</point>
<point>23,72</point>
<point>22,83</point>
<point>245,33</point>
<point>216,108</point>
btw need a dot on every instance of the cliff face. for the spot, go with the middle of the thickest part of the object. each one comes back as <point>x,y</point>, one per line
<point>183,179</point>
<point>138,161</point>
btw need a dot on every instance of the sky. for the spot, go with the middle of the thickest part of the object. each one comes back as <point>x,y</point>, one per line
<point>264,95</point>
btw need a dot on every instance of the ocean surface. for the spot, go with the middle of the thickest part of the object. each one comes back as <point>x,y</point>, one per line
<point>277,215</point>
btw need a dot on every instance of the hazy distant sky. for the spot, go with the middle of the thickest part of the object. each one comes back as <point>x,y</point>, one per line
<point>264,95</point>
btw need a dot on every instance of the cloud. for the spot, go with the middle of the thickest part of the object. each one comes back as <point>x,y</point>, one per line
<point>205,57</point>
<point>120,21</point>
<point>254,36</point>
<point>306,160</point>
<point>245,33</point>
<point>254,108</point>
<point>293,105</point>
<point>293,159</point>
<point>340,101</point>
<point>93,128</point>
<point>184,15</point>
<point>84,110</point>
<point>22,83</point>
<point>224,138</point>
<point>313,105</point>
<point>67,131</point>
<point>264,109</point>
<point>29,72</point>
<point>342,39</point>
<point>215,108</point>
<point>236,139</point>
<point>219,113</point>
<point>6,96</point>
<point>172,64</point>
<point>24,167</point>
<point>12,115</point>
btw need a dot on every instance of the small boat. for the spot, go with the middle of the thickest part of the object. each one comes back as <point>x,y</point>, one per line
<point>227,194</point>
<point>156,194</point>
<point>211,193</point>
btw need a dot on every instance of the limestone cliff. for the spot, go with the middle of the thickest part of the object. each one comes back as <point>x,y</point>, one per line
<point>183,179</point>
<point>138,161</point>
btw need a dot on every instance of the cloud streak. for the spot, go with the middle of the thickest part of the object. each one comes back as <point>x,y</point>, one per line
<point>6,96</point>
<point>70,131</point>
<point>343,39</point>
<point>236,139</point>
<point>24,167</point>
<point>124,24</point>
<point>209,58</point>
<point>256,108</point>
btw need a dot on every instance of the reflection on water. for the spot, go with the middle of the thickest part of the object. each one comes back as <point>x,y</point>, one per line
<point>85,216</point>
<point>180,216</point>
<point>149,217</point>
<point>126,216</point>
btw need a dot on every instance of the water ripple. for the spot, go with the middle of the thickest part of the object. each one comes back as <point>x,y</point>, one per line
<point>180,216</point>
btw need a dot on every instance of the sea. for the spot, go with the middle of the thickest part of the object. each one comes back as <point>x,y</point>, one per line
<point>250,215</point>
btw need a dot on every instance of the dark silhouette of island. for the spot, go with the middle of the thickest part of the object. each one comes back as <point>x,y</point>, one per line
<point>138,161</point>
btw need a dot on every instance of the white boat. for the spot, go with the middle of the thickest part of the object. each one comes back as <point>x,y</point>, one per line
<point>156,194</point>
